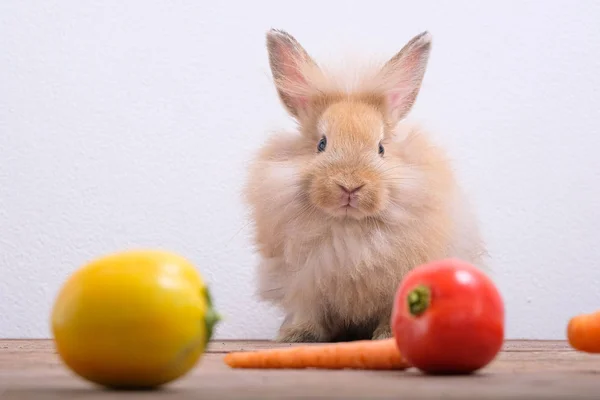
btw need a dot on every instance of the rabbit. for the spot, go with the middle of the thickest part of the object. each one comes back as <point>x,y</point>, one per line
<point>344,206</point>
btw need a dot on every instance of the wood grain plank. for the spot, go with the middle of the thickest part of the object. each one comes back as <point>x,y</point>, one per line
<point>30,369</point>
<point>224,346</point>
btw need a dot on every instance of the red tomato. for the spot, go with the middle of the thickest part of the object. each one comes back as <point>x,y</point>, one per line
<point>448,318</point>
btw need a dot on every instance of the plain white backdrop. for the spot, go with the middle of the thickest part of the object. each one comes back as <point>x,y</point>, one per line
<point>129,124</point>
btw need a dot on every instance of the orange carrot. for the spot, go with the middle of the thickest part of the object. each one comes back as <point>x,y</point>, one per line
<point>583,332</point>
<point>362,354</point>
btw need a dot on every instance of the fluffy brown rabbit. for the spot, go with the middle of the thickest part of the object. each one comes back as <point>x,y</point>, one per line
<point>347,204</point>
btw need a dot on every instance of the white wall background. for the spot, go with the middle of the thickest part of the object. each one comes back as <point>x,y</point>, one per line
<point>128,124</point>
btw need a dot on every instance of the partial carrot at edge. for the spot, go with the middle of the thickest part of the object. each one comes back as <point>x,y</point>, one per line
<point>363,354</point>
<point>583,332</point>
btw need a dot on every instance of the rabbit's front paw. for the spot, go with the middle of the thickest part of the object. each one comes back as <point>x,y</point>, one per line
<point>304,332</point>
<point>297,336</point>
<point>383,331</point>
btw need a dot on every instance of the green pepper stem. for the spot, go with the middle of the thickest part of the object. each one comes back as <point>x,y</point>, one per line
<point>211,318</point>
<point>418,300</point>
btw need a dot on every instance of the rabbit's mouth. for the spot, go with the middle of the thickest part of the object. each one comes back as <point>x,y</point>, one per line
<point>349,209</point>
<point>345,196</point>
<point>349,199</point>
<point>348,204</point>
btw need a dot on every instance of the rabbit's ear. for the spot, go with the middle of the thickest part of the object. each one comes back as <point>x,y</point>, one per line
<point>291,67</point>
<point>402,75</point>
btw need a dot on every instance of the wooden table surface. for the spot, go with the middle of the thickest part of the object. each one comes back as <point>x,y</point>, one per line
<point>30,369</point>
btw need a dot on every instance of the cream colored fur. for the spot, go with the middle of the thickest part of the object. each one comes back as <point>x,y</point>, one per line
<point>335,274</point>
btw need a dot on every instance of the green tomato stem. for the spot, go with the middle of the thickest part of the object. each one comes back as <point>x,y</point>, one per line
<point>418,300</point>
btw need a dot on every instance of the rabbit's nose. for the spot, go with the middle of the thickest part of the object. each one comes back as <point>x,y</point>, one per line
<point>351,189</point>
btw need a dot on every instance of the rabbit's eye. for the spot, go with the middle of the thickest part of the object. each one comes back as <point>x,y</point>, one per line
<point>381,149</point>
<point>322,144</point>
